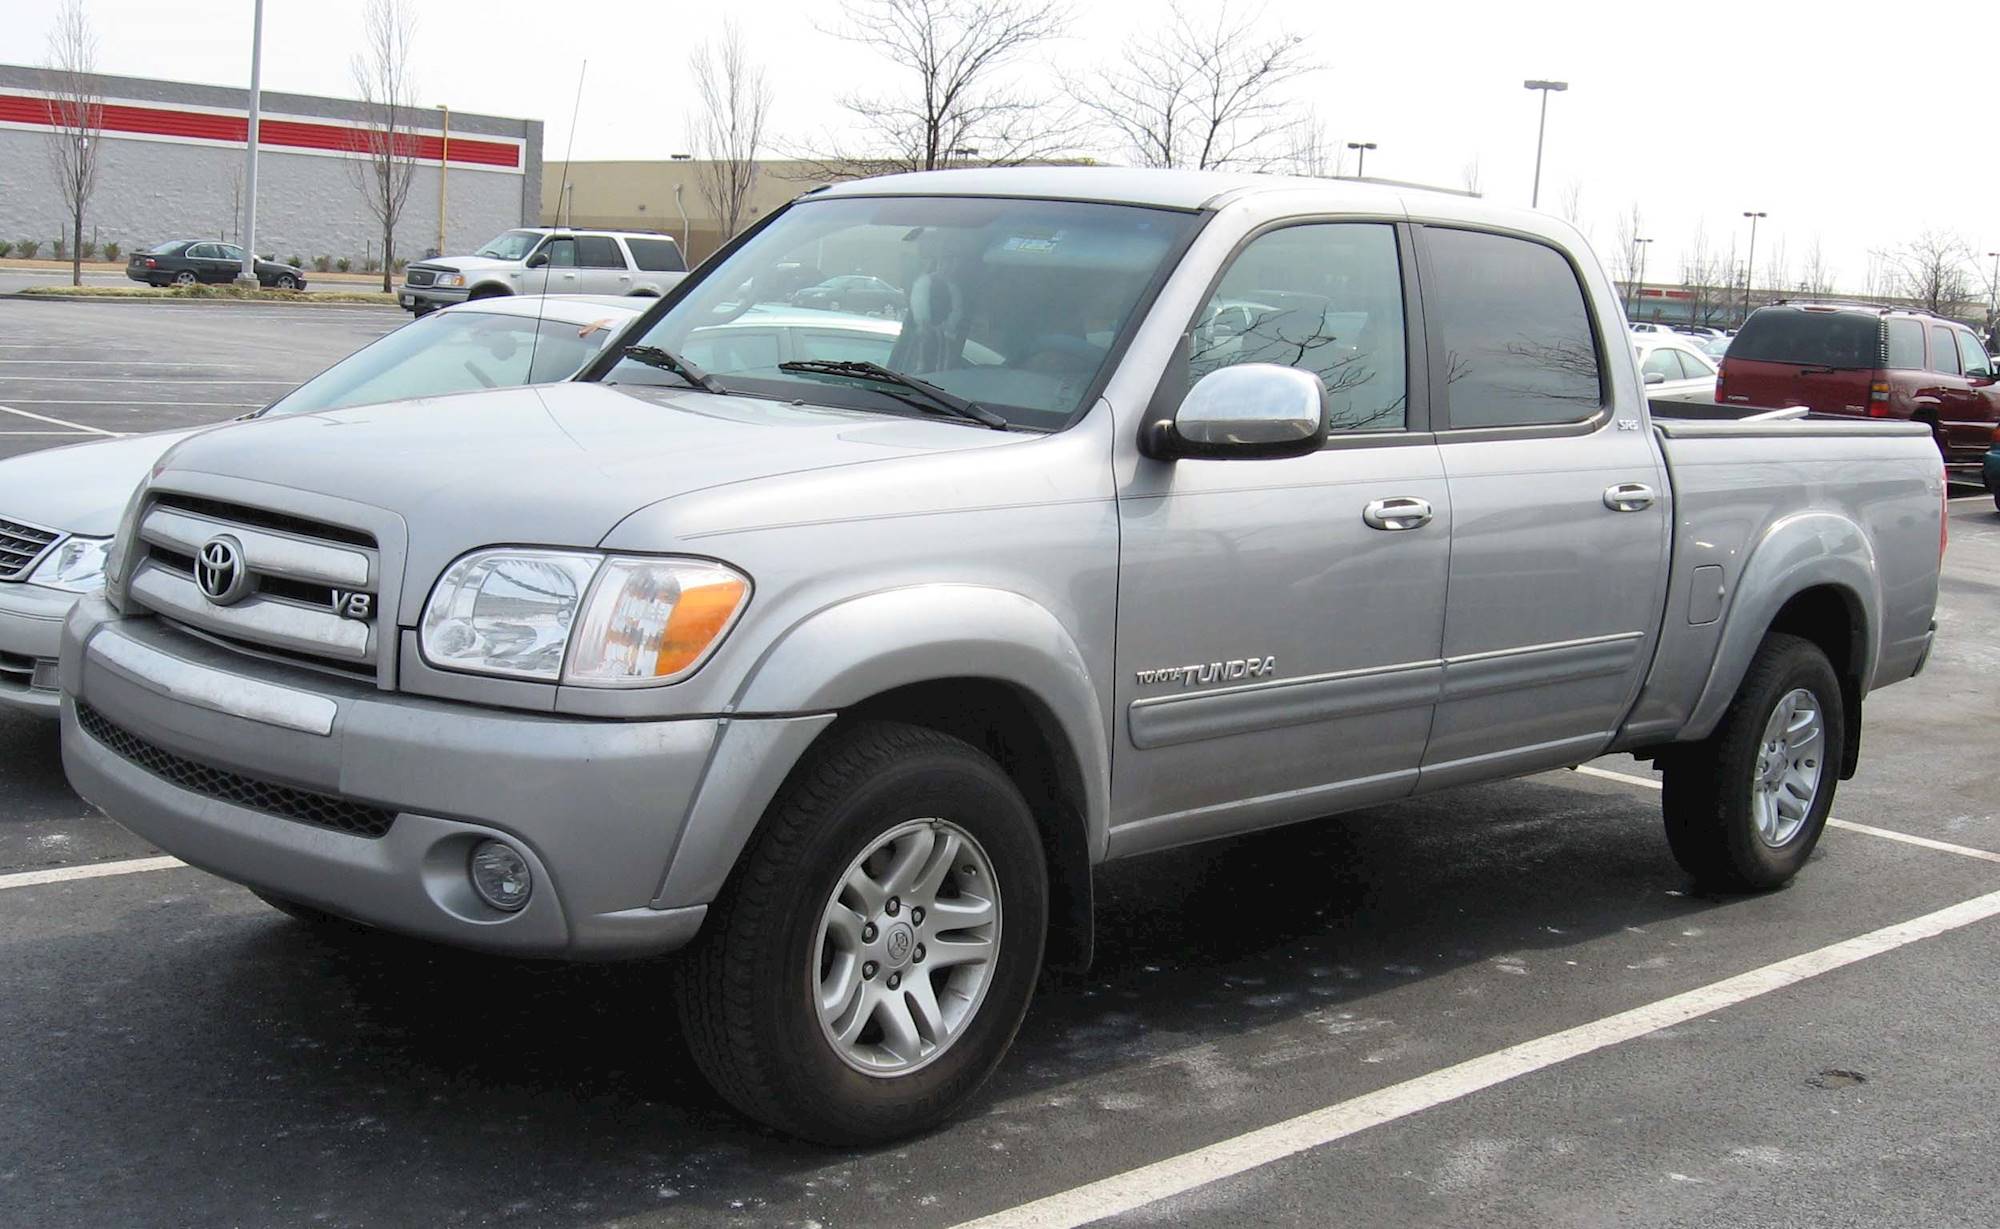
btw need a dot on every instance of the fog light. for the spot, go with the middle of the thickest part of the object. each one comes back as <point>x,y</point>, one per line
<point>500,876</point>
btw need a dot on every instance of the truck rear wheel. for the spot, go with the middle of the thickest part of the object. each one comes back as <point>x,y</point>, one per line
<point>870,961</point>
<point>1745,806</point>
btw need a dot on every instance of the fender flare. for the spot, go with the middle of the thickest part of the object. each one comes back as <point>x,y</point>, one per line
<point>861,647</point>
<point>1796,553</point>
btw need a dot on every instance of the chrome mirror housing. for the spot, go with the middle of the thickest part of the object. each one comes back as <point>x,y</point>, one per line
<point>1250,411</point>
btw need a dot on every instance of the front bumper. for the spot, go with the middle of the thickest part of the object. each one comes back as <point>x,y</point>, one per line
<point>598,808</point>
<point>31,620</point>
<point>423,298</point>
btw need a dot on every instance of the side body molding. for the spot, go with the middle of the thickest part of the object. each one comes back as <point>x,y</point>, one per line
<point>864,646</point>
<point>1794,554</point>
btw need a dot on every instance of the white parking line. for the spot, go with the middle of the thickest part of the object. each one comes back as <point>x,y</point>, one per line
<point>1191,1170</point>
<point>126,401</point>
<point>93,870</point>
<point>1887,834</point>
<point>60,422</point>
<point>107,362</point>
<point>179,380</point>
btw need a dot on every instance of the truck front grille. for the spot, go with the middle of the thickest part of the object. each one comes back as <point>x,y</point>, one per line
<point>311,588</point>
<point>22,546</point>
<point>417,275</point>
<point>321,810</point>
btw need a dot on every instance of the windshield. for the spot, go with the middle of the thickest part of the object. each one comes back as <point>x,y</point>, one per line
<point>1793,335</point>
<point>510,245</point>
<point>452,352</point>
<point>1013,304</point>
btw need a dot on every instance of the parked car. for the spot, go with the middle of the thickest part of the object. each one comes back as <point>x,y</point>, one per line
<point>854,292</point>
<point>1674,368</point>
<point>1717,346</point>
<point>820,669</point>
<point>1697,330</point>
<point>186,262</point>
<point>1649,326</point>
<point>547,260</point>
<point>59,506</point>
<point>1875,362</point>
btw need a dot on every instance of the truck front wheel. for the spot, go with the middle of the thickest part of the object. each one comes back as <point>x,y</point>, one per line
<point>871,959</point>
<point>1745,806</point>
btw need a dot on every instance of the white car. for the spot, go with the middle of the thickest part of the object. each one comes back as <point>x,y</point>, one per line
<point>59,506</point>
<point>547,260</point>
<point>1674,367</point>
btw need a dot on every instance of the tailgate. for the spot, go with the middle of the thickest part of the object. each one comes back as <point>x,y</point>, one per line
<point>1777,386</point>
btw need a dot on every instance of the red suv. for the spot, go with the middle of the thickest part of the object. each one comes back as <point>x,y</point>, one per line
<point>1873,362</point>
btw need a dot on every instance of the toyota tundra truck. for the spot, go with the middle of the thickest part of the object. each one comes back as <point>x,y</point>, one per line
<point>840,653</point>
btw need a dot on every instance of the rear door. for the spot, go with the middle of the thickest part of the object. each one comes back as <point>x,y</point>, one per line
<point>1965,377</point>
<point>1559,511</point>
<point>600,266</point>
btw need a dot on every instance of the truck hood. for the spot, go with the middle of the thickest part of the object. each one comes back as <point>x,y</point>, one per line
<point>468,264</point>
<point>553,465</point>
<point>81,488</point>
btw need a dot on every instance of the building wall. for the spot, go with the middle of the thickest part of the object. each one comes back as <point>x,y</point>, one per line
<point>156,186</point>
<point>640,196</point>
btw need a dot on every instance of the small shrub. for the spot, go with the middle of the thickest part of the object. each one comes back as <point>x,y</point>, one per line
<point>371,265</point>
<point>112,251</point>
<point>296,261</point>
<point>343,264</point>
<point>322,263</point>
<point>6,246</point>
<point>401,264</point>
<point>89,249</point>
<point>29,247</point>
<point>62,248</point>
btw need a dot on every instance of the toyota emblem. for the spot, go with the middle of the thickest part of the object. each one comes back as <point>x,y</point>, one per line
<point>219,570</point>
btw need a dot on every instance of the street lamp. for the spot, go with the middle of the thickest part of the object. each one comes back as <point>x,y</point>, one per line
<point>1541,129</point>
<point>444,173</point>
<point>1361,164</point>
<point>1639,246</point>
<point>1750,263</point>
<point>247,275</point>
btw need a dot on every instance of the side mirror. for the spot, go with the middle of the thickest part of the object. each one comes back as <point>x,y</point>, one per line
<point>537,259</point>
<point>1251,411</point>
<point>1654,377</point>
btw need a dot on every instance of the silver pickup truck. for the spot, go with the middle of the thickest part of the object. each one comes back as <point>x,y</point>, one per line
<point>840,652</point>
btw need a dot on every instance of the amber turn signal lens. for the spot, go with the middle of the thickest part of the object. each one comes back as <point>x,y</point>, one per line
<point>699,617</point>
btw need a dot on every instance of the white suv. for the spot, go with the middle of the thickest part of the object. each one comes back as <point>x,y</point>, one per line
<point>547,260</point>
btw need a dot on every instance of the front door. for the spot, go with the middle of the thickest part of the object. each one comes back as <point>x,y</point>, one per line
<point>1277,653</point>
<point>1559,512</point>
<point>558,274</point>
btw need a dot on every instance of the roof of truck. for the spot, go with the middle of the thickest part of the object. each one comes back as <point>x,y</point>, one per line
<point>1125,185</point>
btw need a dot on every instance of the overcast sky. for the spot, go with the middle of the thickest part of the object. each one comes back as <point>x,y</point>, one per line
<point>1857,125</point>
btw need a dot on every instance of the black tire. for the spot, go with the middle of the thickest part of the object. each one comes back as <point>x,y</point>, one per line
<point>286,281</point>
<point>488,292</point>
<point>1707,786</point>
<point>742,989</point>
<point>186,277</point>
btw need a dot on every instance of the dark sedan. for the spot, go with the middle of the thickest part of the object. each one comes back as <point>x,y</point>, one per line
<point>186,262</point>
<point>854,292</point>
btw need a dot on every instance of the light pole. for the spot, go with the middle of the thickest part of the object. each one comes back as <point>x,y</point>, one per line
<point>444,173</point>
<point>1361,164</point>
<point>1639,246</point>
<point>1541,130</point>
<point>247,275</point>
<point>1750,262</point>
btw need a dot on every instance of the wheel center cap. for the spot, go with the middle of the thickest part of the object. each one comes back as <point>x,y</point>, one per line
<point>897,944</point>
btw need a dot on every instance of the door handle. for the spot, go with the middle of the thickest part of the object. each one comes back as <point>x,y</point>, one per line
<point>1628,497</point>
<point>1402,512</point>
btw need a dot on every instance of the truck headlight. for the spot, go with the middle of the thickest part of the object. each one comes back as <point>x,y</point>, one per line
<point>449,279</point>
<point>77,565</point>
<point>579,617</point>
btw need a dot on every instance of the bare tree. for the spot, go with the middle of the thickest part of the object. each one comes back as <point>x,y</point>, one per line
<point>1705,276</point>
<point>1625,259</point>
<point>1815,277</point>
<point>1468,175</point>
<point>1572,206</point>
<point>76,120</point>
<point>948,97</point>
<point>387,165</point>
<point>1200,93</point>
<point>725,134</point>
<point>1934,269</point>
<point>1310,151</point>
<point>1778,267</point>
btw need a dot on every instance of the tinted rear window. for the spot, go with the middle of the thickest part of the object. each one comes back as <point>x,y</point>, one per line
<point>1518,343</point>
<point>656,255</point>
<point>1810,339</point>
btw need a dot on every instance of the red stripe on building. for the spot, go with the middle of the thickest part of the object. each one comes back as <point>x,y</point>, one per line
<point>277,133</point>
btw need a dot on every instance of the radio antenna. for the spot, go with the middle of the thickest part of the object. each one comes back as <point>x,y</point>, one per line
<point>562,223</point>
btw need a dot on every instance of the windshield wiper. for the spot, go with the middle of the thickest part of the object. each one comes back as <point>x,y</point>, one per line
<point>667,360</point>
<point>933,397</point>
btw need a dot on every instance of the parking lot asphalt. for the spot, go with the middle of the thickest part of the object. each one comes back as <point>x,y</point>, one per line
<point>72,371</point>
<point>1502,1005</point>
